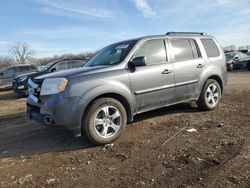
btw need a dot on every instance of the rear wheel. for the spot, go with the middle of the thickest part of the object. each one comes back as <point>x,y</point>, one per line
<point>210,95</point>
<point>104,121</point>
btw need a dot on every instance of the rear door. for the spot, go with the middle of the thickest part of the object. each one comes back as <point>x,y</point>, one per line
<point>188,63</point>
<point>153,84</point>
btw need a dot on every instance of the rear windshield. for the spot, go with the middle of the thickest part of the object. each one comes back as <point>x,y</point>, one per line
<point>210,47</point>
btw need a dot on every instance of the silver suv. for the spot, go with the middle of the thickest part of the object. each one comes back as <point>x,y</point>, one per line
<point>128,78</point>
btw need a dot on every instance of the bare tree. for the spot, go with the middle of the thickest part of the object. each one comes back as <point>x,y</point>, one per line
<point>21,52</point>
<point>6,61</point>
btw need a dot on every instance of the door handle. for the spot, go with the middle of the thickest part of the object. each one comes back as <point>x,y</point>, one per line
<point>199,66</point>
<point>166,71</point>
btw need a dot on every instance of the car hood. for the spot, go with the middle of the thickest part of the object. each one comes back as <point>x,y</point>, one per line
<point>26,74</point>
<point>73,72</point>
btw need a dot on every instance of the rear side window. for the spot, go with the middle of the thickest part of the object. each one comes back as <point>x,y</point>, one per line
<point>184,49</point>
<point>24,68</point>
<point>153,50</point>
<point>75,64</point>
<point>33,68</point>
<point>210,48</point>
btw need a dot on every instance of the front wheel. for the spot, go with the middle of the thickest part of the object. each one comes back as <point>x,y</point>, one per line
<point>210,95</point>
<point>104,121</point>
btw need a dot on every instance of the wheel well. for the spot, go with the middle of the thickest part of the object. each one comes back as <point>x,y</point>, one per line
<point>218,79</point>
<point>118,97</point>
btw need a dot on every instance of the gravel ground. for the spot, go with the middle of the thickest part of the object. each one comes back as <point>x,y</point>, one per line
<point>156,150</point>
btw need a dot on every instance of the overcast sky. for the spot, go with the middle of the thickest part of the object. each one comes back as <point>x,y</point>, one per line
<point>75,26</point>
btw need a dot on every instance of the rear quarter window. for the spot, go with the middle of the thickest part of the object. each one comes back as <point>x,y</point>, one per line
<point>210,47</point>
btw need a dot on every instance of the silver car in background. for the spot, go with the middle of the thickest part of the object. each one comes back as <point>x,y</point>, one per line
<point>128,78</point>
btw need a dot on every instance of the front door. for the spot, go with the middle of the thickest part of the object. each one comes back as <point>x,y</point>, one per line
<point>153,84</point>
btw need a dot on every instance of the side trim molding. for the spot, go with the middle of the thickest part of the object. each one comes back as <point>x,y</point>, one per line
<point>186,83</point>
<point>153,89</point>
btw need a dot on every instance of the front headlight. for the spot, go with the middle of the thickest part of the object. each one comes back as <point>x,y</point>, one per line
<point>21,79</point>
<point>52,86</point>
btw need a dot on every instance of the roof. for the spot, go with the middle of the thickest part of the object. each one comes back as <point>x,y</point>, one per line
<point>18,65</point>
<point>172,34</point>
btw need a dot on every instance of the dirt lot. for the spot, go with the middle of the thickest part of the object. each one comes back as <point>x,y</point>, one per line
<point>155,151</point>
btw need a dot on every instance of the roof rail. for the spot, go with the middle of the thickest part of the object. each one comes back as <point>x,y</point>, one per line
<point>186,33</point>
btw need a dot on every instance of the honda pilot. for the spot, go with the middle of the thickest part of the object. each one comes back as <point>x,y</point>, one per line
<point>128,78</point>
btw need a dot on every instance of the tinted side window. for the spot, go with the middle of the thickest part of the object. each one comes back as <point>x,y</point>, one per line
<point>75,64</point>
<point>182,50</point>
<point>210,48</point>
<point>24,68</point>
<point>196,50</point>
<point>33,68</point>
<point>153,50</point>
<point>10,70</point>
<point>61,66</point>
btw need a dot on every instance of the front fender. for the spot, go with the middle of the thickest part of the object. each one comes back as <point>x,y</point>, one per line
<point>111,87</point>
<point>108,88</point>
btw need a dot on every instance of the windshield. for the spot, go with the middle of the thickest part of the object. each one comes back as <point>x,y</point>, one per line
<point>46,67</point>
<point>112,54</point>
<point>229,56</point>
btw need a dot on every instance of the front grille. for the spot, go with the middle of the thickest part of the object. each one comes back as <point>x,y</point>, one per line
<point>34,87</point>
<point>38,81</point>
<point>37,90</point>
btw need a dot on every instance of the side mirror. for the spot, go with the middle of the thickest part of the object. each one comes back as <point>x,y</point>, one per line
<point>53,69</point>
<point>139,61</point>
<point>236,58</point>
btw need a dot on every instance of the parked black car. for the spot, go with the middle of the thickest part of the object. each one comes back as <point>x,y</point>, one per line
<point>20,83</point>
<point>8,73</point>
<point>237,60</point>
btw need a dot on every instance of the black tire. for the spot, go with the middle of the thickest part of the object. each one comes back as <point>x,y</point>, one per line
<point>205,101</point>
<point>93,131</point>
<point>248,65</point>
